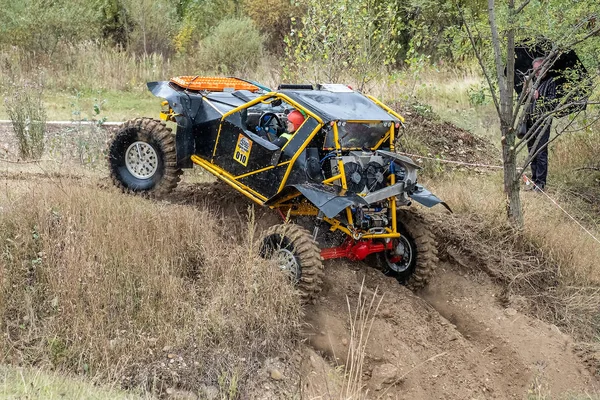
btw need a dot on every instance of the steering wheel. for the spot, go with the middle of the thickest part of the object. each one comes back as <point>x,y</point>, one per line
<point>270,123</point>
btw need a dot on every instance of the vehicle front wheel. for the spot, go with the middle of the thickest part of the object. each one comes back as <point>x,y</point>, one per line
<point>142,158</point>
<point>413,258</point>
<point>297,254</point>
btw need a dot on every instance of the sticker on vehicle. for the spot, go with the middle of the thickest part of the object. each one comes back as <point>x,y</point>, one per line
<point>242,150</point>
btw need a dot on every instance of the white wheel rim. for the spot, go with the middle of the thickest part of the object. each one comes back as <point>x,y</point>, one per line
<point>141,160</point>
<point>287,261</point>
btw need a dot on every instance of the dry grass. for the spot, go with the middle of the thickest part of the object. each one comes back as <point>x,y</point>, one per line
<point>550,266</point>
<point>135,292</point>
<point>575,170</point>
<point>88,66</point>
<point>361,322</point>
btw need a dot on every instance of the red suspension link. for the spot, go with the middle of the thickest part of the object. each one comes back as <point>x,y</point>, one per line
<point>355,250</point>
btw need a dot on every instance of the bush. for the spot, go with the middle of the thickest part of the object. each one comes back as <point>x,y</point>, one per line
<point>273,19</point>
<point>28,115</point>
<point>39,25</point>
<point>235,46</point>
<point>347,38</point>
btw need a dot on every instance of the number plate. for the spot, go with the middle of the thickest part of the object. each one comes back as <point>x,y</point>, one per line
<point>242,150</point>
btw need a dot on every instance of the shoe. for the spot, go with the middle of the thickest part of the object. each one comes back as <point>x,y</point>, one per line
<point>538,188</point>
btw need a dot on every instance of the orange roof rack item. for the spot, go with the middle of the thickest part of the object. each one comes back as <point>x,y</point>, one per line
<point>213,84</point>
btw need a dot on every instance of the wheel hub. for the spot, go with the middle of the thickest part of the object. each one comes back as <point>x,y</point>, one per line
<point>141,160</point>
<point>400,258</point>
<point>287,262</point>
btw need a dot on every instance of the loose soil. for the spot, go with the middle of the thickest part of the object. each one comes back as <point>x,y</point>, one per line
<point>451,341</point>
<point>443,140</point>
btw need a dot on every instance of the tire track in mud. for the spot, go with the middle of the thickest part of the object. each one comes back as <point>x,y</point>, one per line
<point>452,340</point>
<point>516,343</point>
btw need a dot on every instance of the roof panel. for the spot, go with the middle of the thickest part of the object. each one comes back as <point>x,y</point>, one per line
<point>346,106</point>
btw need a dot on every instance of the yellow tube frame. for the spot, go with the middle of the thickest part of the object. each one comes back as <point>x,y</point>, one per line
<point>307,209</point>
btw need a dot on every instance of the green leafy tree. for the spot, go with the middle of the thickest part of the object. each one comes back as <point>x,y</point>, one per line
<point>40,25</point>
<point>272,19</point>
<point>198,18</point>
<point>234,46</point>
<point>154,25</point>
<point>346,38</point>
<point>426,27</point>
<point>565,25</point>
<point>116,22</point>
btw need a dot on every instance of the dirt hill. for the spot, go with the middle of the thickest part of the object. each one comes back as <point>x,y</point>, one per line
<point>457,339</point>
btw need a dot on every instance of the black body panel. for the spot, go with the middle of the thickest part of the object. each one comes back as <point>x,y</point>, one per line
<point>205,137</point>
<point>331,200</point>
<point>266,182</point>
<point>260,155</point>
<point>330,106</point>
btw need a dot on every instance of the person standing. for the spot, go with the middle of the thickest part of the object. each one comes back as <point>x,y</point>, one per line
<point>543,102</point>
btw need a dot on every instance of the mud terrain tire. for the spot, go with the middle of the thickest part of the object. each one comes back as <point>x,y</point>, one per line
<point>423,247</point>
<point>142,158</point>
<point>298,254</point>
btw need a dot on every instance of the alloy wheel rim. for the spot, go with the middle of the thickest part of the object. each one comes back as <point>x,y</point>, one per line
<point>141,160</point>
<point>287,262</point>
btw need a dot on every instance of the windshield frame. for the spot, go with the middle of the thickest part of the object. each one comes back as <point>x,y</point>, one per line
<point>335,140</point>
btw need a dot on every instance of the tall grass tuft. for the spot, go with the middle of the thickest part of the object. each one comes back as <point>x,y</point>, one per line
<point>125,290</point>
<point>28,116</point>
<point>361,323</point>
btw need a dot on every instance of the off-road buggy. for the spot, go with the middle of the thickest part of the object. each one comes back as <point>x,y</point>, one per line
<point>339,169</point>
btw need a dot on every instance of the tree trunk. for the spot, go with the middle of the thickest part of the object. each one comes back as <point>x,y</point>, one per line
<point>511,178</point>
<point>506,112</point>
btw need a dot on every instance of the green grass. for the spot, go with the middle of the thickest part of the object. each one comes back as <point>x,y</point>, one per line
<point>112,104</point>
<point>455,98</point>
<point>33,384</point>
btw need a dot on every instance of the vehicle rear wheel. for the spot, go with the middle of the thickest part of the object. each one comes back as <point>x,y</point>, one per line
<point>414,256</point>
<point>142,158</point>
<point>298,255</point>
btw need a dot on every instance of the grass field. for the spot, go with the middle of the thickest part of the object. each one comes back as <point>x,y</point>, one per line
<point>108,282</point>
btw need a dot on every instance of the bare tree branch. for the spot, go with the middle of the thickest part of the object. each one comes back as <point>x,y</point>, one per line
<point>538,138</point>
<point>536,144</point>
<point>497,55</point>
<point>510,64</point>
<point>480,60</point>
<point>535,128</point>
<point>576,28</point>
<point>584,127</point>
<point>527,93</point>
<point>522,6</point>
<point>565,104</point>
<point>588,169</point>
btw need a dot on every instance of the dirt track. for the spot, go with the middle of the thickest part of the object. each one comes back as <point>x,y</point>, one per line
<point>454,340</point>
